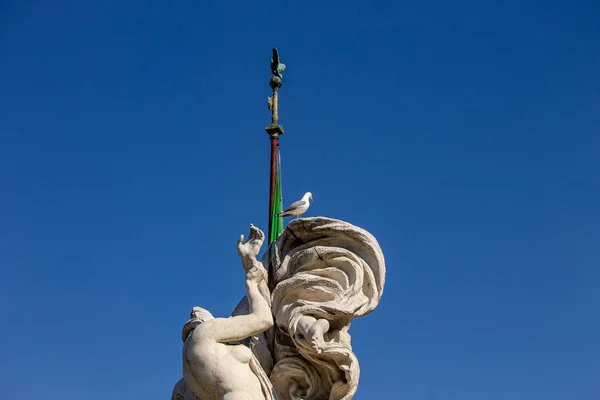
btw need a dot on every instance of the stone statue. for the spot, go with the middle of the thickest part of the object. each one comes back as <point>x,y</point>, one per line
<point>216,368</point>
<point>326,272</point>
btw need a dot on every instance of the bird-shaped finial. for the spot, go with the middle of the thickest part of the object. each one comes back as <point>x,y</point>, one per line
<point>276,66</point>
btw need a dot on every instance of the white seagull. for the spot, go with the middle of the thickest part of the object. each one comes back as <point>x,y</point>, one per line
<point>299,207</point>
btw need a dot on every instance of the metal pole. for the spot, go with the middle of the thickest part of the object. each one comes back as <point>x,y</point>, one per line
<point>274,129</point>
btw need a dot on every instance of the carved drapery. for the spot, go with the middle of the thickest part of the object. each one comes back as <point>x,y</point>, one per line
<point>324,269</point>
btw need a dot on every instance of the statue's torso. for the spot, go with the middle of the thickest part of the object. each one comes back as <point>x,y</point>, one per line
<point>212,369</point>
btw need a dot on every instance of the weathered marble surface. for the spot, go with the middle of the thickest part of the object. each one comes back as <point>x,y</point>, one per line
<point>326,272</point>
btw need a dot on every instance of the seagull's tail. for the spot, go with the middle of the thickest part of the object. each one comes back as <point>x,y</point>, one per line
<point>283,214</point>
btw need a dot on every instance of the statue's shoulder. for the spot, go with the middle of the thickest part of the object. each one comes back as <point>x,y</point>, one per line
<point>204,331</point>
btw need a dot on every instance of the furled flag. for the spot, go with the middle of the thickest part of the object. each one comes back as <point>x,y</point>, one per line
<point>277,222</point>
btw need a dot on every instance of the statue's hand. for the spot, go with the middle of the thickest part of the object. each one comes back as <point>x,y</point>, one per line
<point>249,250</point>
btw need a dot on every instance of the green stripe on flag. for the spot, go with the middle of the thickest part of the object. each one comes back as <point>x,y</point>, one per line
<point>277,222</point>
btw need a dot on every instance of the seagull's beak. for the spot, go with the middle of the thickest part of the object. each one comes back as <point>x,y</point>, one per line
<point>311,199</point>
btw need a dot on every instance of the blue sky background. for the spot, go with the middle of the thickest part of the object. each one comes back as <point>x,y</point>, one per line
<point>463,135</point>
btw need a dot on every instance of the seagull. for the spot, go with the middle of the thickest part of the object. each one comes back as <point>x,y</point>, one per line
<point>299,207</point>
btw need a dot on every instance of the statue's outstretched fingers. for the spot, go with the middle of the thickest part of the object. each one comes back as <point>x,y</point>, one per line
<point>240,244</point>
<point>252,232</point>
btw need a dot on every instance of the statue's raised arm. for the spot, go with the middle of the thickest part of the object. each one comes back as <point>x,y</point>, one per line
<point>213,367</point>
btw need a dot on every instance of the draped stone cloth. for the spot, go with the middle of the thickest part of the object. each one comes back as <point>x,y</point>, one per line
<point>325,269</point>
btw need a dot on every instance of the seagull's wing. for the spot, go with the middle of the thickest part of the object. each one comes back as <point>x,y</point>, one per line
<point>295,205</point>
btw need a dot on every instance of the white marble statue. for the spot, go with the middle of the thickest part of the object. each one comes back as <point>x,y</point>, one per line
<point>215,368</point>
<point>325,273</point>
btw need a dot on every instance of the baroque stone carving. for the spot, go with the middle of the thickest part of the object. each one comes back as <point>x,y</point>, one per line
<point>324,273</point>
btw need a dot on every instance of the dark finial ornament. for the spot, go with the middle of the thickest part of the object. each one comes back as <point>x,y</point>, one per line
<point>277,68</point>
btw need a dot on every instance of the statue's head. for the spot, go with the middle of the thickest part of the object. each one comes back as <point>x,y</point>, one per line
<point>201,314</point>
<point>197,316</point>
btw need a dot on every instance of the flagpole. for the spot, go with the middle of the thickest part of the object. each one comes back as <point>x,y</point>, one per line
<point>274,129</point>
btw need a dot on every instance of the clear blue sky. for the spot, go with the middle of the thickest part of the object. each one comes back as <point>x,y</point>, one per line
<point>463,135</point>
